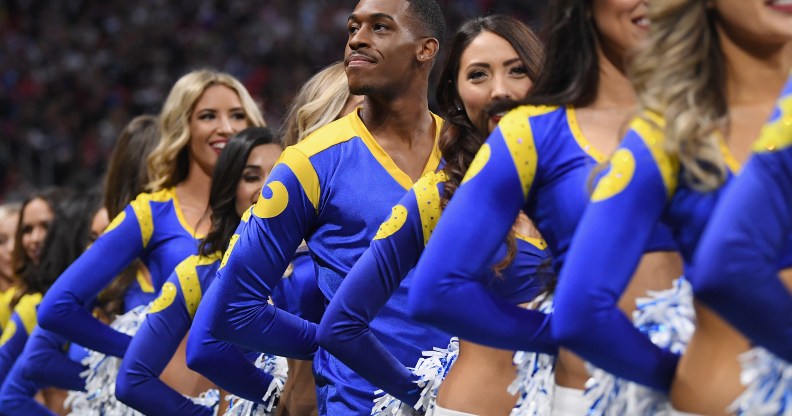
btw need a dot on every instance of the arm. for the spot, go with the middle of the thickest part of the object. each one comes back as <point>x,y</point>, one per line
<point>64,310</point>
<point>344,330</point>
<point>608,244</point>
<point>473,227</point>
<point>486,318</point>
<point>258,255</point>
<point>750,227</point>
<point>17,395</point>
<point>299,292</point>
<point>138,384</point>
<point>44,360</point>
<point>223,363</point>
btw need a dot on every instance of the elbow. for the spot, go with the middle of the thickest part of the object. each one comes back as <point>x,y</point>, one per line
<point>125,388</point>
<point>199,359</point>
<point>325,336</point>
<point>331,334</point>
<point>571,326</point>
<point>46,314</point>
<point>425,305</point>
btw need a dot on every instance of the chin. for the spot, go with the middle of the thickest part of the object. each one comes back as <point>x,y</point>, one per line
<point>362,89</point>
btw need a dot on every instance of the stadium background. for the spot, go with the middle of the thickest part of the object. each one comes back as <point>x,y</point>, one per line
<point>74,72</point>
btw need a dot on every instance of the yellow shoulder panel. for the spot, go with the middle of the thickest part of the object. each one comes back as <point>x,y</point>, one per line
<point>328,136</point>
<point>231,244</point>
<point>298,162</point>
<point>5,306</point>
<point>26,309</point>
<point>393,224</point>
<point>189,282</point>
<point>650,129</point>
<point>778,134</point>
<point>539,243</point>
<point>428,199</point>
<point>8,332</point>
<point>517,133</point>
<point>166,297</point>
<point>622,169</point>
<point>142,208</point>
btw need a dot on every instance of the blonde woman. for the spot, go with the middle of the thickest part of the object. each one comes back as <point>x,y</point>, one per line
<point>322,100</point>
<point>161,227</point>
<point>9,218</point>
<point>706,82</point>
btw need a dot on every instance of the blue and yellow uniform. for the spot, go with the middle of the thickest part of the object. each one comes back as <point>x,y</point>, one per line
<point>642,188</point>
<point>747,241</point>
<point>384,274</point>
<point>150,228</point>
<point>47,361</point>
<point>152,347</point>
<point>332,190</point>
<point>19,328</point>
<point>538,160</point>
<point>5,307</point>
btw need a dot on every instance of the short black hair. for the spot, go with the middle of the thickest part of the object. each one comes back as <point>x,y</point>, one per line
<point>428,17</point>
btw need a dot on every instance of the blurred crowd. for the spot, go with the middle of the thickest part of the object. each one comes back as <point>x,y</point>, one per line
<point>73,73</point>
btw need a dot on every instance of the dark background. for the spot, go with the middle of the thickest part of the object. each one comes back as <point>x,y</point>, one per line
<point>73,73</point>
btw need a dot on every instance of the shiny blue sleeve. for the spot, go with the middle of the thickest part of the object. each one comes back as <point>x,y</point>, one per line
<point>485,318</point>
<point>256,259</point>
<point>474,226</point>
<point>223,363</point>
<point>64,310</point>
<point>344,330</point>
<point>17,395</point>
<point>12,343</point>
<point>737,263</point>
<point>610,239</point>
<point>138,384</point>
<point>45,361</point>
<point>299,292</point>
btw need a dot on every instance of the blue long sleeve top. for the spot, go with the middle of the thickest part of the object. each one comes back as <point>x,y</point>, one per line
<point>225,364</point>
<point>383,273</point>
<point>747,241</point>
<point>536,160</point>
<point>151,228</point>
<point>315,193</point>
<point>641,188</point>
<point>16,395</point>
<point>17,332</point>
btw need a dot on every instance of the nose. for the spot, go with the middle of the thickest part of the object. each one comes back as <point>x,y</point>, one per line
<point>225,127</point>
<point>500,91</point>
<point>255,195</point>
<point>358,40</point>
<point>38,235</point>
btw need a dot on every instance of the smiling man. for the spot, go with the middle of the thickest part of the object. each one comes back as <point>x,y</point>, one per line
<point>333,190</point>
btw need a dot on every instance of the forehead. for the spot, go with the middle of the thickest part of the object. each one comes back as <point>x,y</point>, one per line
<point>397,9</point>
<point>218,95</point>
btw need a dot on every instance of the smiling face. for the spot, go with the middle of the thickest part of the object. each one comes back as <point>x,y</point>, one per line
<point>381,50</point>
<point>217,116</point>
<point>36,219</point>
<point>8,227</point>
<point>258,166</point>
<point>622,24</point>
<point>760,21</point>
<point>490,70</point>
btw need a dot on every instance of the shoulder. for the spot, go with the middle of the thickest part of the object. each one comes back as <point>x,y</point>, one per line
<point>333,134</point>
<point>647,132</point>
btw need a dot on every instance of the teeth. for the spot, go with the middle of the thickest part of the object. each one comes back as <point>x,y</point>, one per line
<point>219,145</point>
<point>642,21</point>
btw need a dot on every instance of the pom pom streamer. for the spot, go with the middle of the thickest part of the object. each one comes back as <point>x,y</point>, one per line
<point>535,379</point>
<point>667,317</point>
<point>278,368</point>
<point>430,371</point>
<point>768,382</point>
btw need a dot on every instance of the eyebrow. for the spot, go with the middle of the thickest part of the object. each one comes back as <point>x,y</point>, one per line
<point>373,16</point>
<point>251,167</point>
<point>486,65</point>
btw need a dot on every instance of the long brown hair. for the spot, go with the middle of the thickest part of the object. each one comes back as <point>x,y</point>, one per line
<point>462,137</point>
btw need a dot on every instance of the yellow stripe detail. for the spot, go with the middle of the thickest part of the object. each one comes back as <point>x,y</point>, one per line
<point>778,134</point>
<point>166,297</point>
<point>231,244</point>
<point>304,171</point>
<point>142,208</point>
<point>337,132</point>
<point>518,135</point>
<point>539,243</point>
<point>580,138</point>
<point>8,332</point>
<point>246,215</point>
<point>478,163</point>
<point>428,199</point>
<point>170,194</point>
<point>274,205</point>
<point>143,277</point>
<point>189,281</point>
<point>731,162</point>
<point>393,224</point>
<point>622,169</point>
<point>5,306</point>
<point>651,133</point>
<point>26,309</point>
<point>116,222</point>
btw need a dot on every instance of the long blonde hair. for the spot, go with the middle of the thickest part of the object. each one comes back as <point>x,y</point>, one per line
<point>317,103</point>
<point>680,75</point>
<point>168,163</point>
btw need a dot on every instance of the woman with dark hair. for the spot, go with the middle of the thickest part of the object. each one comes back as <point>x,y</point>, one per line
<point>490,59</point>
<point>70,232</point>
<point>539,160</point>
<point>241,170</point>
